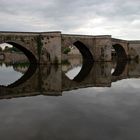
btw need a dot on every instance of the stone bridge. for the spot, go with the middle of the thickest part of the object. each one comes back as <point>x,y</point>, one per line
<point>38,79</point>
<point>47,47</point>
<point>42,48</point>
<point>50,80</point>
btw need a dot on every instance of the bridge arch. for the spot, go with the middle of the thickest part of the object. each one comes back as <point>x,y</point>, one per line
<point>87,64</point>
<point>120,52</point>
<point>28,74</point>
<point>85,70</point>
<point>31,69</point>
<point>28,53</point>
<point>119,69</point>
<point>85,52</point>
<point>69,84</point>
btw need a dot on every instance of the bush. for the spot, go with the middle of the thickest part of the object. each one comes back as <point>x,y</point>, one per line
<point>66,50</point>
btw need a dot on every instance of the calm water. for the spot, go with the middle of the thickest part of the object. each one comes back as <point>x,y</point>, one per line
<point>99,101</point>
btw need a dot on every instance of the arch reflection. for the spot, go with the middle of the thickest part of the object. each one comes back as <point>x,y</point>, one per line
<point>120,67</point>
<point>51,80</point>
<point>31,70</point>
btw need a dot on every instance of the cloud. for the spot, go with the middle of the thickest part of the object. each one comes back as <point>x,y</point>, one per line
<point>81,17</point>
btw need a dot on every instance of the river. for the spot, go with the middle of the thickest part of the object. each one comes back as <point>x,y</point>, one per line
<point>75,101</point>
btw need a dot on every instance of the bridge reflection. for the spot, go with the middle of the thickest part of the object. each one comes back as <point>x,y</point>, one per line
<point>51,80</point>
<point>31,70</point>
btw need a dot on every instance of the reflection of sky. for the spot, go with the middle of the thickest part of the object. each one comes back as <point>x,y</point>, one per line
<point>83,114</point>
<point>8,75</point>
<point>125,85</point>
<point>73,72</point>
<point>112,70</point>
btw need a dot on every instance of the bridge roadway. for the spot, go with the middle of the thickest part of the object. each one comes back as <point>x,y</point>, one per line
<point>50,80</point>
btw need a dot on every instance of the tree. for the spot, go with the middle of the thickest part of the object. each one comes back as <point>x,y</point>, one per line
<point>7,49</point>
<point>15,49</point>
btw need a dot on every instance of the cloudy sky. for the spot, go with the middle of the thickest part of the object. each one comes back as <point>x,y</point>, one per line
<point>119,18</point>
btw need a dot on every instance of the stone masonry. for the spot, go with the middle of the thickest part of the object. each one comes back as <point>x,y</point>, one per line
<point>47,47</point>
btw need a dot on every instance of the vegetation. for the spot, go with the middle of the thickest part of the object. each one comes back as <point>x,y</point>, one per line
<point>15,49</point>
<point>11,49</point>
<point>7,49</point>
<point>22,64</point>
<point>17,64</point>
<point>66,50</point>
<point>39,45</point>
<point>65,62</point>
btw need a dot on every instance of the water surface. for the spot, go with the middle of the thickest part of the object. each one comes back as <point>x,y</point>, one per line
<point>101,103</point>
